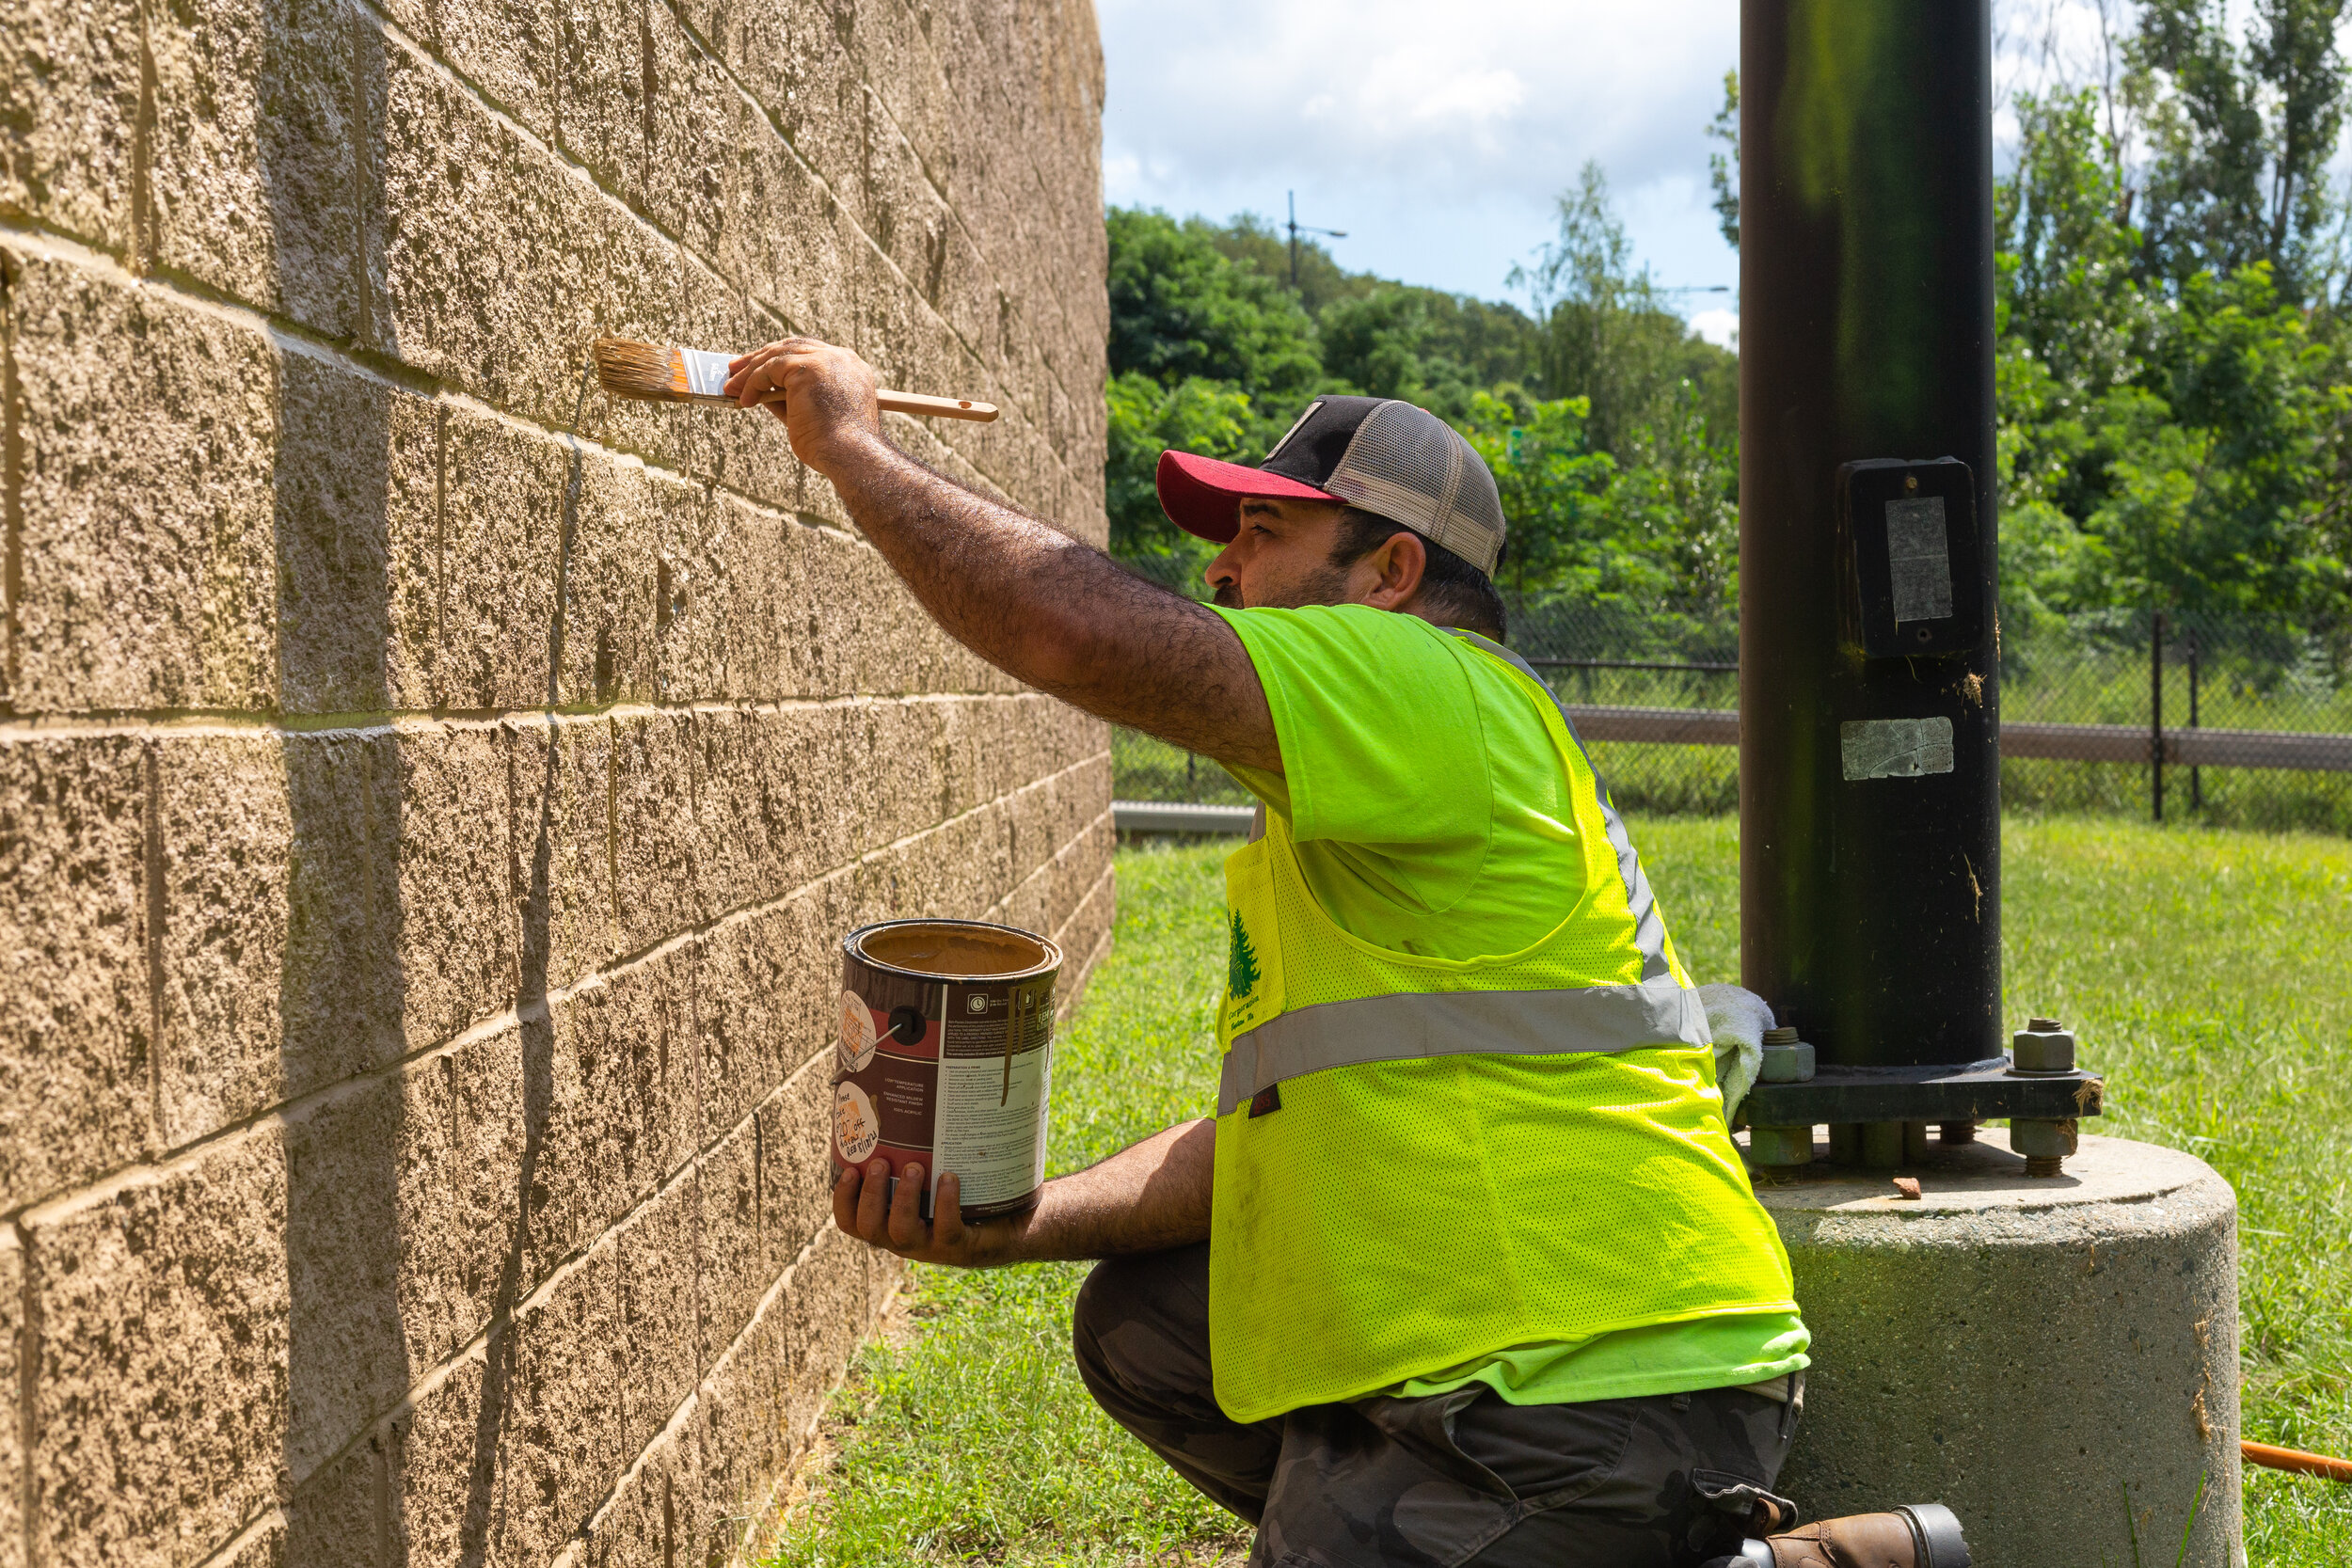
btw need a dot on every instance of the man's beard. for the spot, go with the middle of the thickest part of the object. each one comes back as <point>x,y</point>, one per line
<point>1326,584</point>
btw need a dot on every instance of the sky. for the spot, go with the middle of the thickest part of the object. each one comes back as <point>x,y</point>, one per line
<point>1440,137</point>
<point>1437,137</point>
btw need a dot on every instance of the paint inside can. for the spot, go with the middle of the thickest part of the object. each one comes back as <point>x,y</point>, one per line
<point>946,1057</point>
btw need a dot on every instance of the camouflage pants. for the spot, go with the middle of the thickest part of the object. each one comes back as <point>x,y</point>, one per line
<point>1465,1478</point>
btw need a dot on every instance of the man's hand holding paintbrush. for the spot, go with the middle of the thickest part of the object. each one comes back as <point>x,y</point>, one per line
<point>834,397</point>
<point>664,372</point>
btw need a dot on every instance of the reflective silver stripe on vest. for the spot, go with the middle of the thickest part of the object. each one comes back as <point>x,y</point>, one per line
<point>1413,1024</point>
<point>1649,930</point>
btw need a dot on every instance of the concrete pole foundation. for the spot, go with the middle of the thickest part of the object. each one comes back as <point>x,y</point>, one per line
<point>2054,1358</point>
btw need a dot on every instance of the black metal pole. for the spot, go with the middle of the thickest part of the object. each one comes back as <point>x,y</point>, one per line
<point>2155,714</point>
<point>1870,904</point>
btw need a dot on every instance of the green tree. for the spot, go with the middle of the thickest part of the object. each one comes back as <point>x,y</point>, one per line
<point>1608,336</point>
<point>1181,308</point>
<point>2240,136</point>
<point>1211,418</point>
<point>1265,248</point>
<point>1555,492</point>
<point>2171,437</point>
<point>1427,347</point>
<point>1723,168</point>
<point>1677,502</point>
<point>2068,285</point>
<point>2255,424</point>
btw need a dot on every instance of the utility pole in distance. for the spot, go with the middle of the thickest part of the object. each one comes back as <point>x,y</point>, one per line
<point>1297,230</point>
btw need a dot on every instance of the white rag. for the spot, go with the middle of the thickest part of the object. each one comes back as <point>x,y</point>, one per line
<point>1738,1019</point>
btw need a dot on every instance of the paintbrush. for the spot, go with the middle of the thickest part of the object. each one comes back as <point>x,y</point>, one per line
<point>655,372</point>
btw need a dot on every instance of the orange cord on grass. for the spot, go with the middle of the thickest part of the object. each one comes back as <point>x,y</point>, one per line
<point>2297,1461</point>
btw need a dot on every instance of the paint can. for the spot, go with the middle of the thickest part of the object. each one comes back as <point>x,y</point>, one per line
<point>946,1057</point>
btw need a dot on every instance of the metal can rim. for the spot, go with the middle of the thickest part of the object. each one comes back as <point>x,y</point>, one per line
<point>1054,955</point>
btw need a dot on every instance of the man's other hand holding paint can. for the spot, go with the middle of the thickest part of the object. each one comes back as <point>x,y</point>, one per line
<point>941,1096</point>
<point>946,1060</point>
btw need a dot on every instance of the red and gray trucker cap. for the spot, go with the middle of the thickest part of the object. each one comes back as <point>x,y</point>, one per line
<point>1379,454</point>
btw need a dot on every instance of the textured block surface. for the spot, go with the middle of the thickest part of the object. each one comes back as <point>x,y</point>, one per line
<point>70,81</point>
<point>145,431</point>
<point>12,1433</point>
<point>160,1401</point>
<point>433,795</point>
<point>74,1017</point>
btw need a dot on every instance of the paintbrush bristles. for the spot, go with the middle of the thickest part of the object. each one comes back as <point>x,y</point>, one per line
<point>649,373</point>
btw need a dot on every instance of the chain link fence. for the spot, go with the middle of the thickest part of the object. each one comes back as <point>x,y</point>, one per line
<point>2191,718</point>
<point>2179,718</point>
<point>1627,676</point>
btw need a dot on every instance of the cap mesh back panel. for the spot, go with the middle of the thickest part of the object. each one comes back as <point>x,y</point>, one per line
<point>1408,465</point>
<point>1395,446</point>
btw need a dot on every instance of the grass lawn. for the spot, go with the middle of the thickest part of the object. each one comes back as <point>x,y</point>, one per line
<point>2208,973</point>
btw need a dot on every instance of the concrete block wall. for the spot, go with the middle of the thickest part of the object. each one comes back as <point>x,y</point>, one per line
<point>431,797</point>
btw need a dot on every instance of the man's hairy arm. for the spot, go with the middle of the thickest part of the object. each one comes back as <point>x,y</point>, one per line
<point>1147,1197</point>
<point>1035,603</point>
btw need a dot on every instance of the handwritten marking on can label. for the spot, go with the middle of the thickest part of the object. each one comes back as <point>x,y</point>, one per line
<point>1895,748</point>
<point>855,1127</point>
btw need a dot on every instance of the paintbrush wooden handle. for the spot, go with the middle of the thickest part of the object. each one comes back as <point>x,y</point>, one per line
<point>942,408</point>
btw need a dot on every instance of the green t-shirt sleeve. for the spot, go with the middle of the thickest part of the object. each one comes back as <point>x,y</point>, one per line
<point>1379,731</point>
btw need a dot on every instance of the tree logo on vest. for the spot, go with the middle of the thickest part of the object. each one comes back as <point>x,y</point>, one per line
<point>1241,968</point>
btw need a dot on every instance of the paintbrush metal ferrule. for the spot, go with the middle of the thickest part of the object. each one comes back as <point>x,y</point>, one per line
<point>699,376</point>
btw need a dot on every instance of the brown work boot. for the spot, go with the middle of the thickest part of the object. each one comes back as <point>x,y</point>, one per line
<point>1922,1535</point>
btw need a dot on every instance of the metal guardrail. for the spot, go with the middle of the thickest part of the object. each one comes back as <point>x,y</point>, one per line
<point>2127,743</point>
<point>1172,816</point>
<point>2130,744</point>
<point>2311,752</point>
<point>1670,726</point>
<point>1711,667</point>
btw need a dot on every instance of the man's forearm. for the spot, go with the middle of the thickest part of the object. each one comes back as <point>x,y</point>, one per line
<point>1057,613</point>
<point>1147,1197</point>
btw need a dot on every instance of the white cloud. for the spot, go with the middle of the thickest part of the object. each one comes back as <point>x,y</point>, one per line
<point>1491,95</point>
<point>1436,137</point>
<point>1718,326</point>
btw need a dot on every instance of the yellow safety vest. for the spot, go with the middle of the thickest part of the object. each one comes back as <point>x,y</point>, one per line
<point>1420,1161</point>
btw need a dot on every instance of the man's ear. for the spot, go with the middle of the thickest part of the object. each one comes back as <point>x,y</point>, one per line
<point>1397,565</point>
